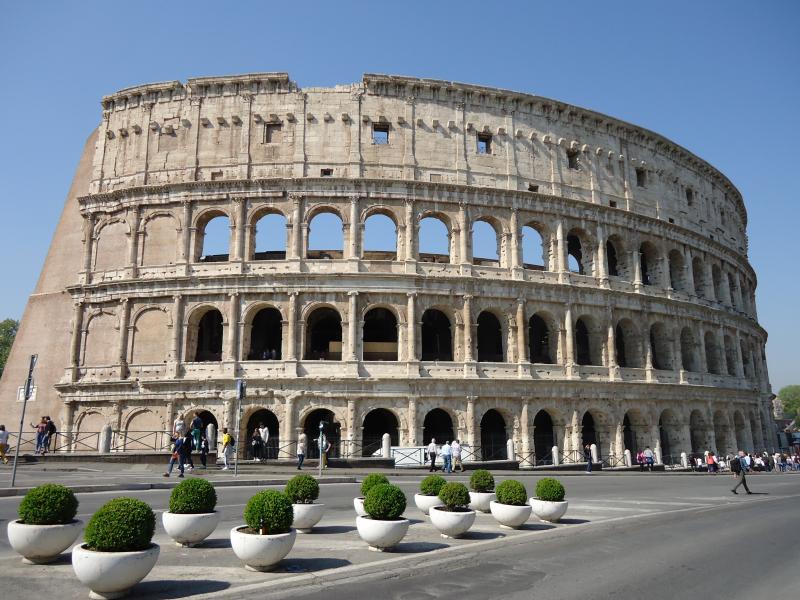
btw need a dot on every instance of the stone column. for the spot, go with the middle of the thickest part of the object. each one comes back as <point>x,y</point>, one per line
<point>464,241</point>
<point>561,246</point>
<point>569,359</point>
<point>411,226</point>
<point>411,326</point>
<point>295,250</point>
<point>233,319</point>
<point>469,355</point>
<point>133,244</point>
<point>522,355</point>
<point>177,328</point>
<point>688,274</point>
<point>412,422</point>
<point>602,265</point>
<point>739,359</point>
<point>288,436</point>
<point>471,440</point>
<point>612,341</point>
<point>525,431</point>
<point>619,440</point>
<point>515,249</point>
<point>701,348</point>
<point>577,438</point>
<point>353,241</point>
<point>186,234</point>
<point>88,247</point>
<point>636,257</point>
<point>239,209</point>
<point>352,321</point>
<point>291,334</point>
<point>711,291</point>
<point>122,350</point>
<point>75,341</point>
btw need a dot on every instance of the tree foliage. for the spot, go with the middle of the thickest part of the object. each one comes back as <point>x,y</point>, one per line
<point>790,398</point>
<point>8,331</point>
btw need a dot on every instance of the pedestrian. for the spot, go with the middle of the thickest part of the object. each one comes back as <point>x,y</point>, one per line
<point>228,444</point>
<point>264,431</point>
<point>188,441</point>
<point>325,452</point>
<point>587,454</point>
<point>649,458</point>
<point>204,451</point>
<point>197,431</point>
<point>447,457</point>
<point>51,434</point>
<point>640,460</point>
<point>739,470</point>
<point>711,463</point>
<point>178,456</point>
<point>455,447</point>
<point>41,434</point>
<point>431,452</point>
<point>255,445</point>
<point>3,444</point>
<point>301,452</point>
<point>179,426</point>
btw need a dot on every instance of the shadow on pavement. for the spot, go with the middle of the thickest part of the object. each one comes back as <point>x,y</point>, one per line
<point>537,527</point>
<point>305,565</point>
<point>482,535</point>
<point>412,547</point>
<point>215,543</point>
<point>174,588</point>
<point>334,529</point>
<point>573,521</point>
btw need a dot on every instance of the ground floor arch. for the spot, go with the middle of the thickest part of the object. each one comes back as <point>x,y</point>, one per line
<point>493,436</point>
<point>376,423</point>
<point>543,438</point>
<point>262,418</point>
<point>437,425</point>
<point>331,427</point>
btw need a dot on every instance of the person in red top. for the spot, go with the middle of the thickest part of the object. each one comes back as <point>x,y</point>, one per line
<point>711,463</point>
<point>41,435</point>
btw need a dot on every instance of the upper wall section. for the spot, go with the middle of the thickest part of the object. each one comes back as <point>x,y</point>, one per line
<point>387,127</point>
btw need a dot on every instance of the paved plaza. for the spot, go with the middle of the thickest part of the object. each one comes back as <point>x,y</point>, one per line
<point>626,535</point>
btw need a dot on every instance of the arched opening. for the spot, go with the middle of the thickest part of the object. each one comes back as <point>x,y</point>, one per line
<point>437,343</point>
<point>380,335</point>
<point>490,338</point>
<point>380,238</point>
<point>208,418</point>
<point>741,432</point>
<point>324,335</point>
<point>629,436</point>
<point>575,254</point>
<point>270,238</point>
<point>586,352</point>
<point>376,423</point>
<point>716,278</point>
<point>485,244</point>
<point>747,366</point>
<point>259,419</point>
<point>712,353</point>
<point>493,436</point>
<point>756,436</point>
<point>332,430</point>
<point>214,239</point>
<point>265,335</point>
<point>648,257</point>
<point>434,241</point>
<point>734,291</point>
<point>437,425</point>
<point>697,432</point>
<point>722,433</point>
<point>534,251</point>
<point>628,345</point>
<point>699,277</point>
<point>669,436</point>
<point>660,347</point>
<point>688,350</point>
<point>543,438</point>
<point>676,271</point>
<point>325,236</point>
<point>617,261</point>
<point>611,259</point>
<point>588,431</point>
<point>539,341</point>
<point>209,337</point>
<point>730,356</point>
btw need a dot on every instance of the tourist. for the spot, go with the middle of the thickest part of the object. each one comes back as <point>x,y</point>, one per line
<point>431,454</point>
<point>698,463</point>
<point>325,453</point>
<point>640,460</point>
<point>197,430</point>
<point>264,431</point>
<point>587,454</point>
<point>455,448</point>
<point>711,463</point>
<point>739,470</point>
<point>3,444</point>
<point>178,426</point>
<point>649,458</point>
<point>41,434</point>
<point>178,456</point>
<point>447,456</point>
<point>255,445</point>
<point>227,447</point>
<point>204,451</point>
<point>187,444</point>
<point>301,452</point>
<point>51,434</point>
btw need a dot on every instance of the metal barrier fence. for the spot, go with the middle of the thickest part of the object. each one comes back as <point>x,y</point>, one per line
<point>611,461</point>
<point>125,441</point>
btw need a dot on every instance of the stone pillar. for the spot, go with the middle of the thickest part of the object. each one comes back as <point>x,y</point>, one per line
<point>122,350</point>
<point>569,359</point>
<point>288,428</point>
<point>636,258</point>
<point>515,250</point>
<point>411,326</point>
<point>619,440</point>
<point>612,342</point>
<point>561,248</point>
<point>688,274</point>
<point>469,355</point>
<point>88,247</point>
<point>711,292</point>
<point>411,229</point>
<point>291,334</point>
<point>471,439</point>
<point>295,249</point>
<point>411,436</point>
<point>464,241</point>
<point>701,348</point>
<point>133,244</point>
<point>177,327</point>
<point>240,210</point>
<point>353,241</point>
<point>522,356</point>
<point>231,346</point>
<point>75,341</point>
<point>577,438</point>
<point>352,322</point>
<point>525,432</point>
<point>602,264</point>
<point>739,359</point>
<point>186,234</point>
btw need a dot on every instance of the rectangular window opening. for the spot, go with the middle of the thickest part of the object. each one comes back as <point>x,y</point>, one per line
<point>533,188</point>
<point>326,172</point>
<point>613,204</point>
<point>380,133</point>
<point>484,143</point>
<point>671,220</point>
<point>641,177</point>
<point>572,159</point>
<point>689,196</point>
<point>272,133</point>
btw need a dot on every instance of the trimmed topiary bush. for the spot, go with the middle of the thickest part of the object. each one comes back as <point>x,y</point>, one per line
<point>121,525</point>
<point>385,502</point>
<point>302,489</point>
<point>550,490</point>
<point>432,485</point>
<point>455,496</point>
<point>481,481</point>
<point>512,492</point>
<point>193,496</point>
<point>48,504</point>
<point>371,481</point>
<point>269,513</point>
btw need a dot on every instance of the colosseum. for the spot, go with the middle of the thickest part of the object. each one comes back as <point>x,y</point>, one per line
<point>614,303</point>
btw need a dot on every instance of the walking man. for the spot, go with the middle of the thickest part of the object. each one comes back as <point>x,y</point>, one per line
<point>738,469</point>
<point>587,454</point>
<point>179,453</point>
<point>649,458</point>
<point>447,457</point>
<point>227,447</point>
<point>455,448</point>
<point>3,444</point>
<point>432,454</point>
<point>301,452</point>
<point>263,430</point>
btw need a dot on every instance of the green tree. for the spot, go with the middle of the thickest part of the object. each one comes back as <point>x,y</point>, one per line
<point>790,398</point>
<point>8,331</point>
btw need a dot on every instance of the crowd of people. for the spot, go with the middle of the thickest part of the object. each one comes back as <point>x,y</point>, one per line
<point>778,462</point>
<point>450,453</point>
<point>45,434</point>
<point>184,441</point>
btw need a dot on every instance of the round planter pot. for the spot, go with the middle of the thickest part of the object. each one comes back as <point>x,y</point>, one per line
<point>480,500</point>
<point>509,515</point>
<point>382,535</point>
<point>41,544</point>
<point>190,530</point>
<point>549,511</point>
<point>451,524</point>
<point>425,503</point>
<point>358,504</point>
<point>261,552</point>
<point>306,516</point>
<point>112,574</point>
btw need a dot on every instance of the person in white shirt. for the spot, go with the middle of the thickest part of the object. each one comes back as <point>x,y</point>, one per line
<point>264,431</point>
<point>3,444</point>
<point>301,452</point>
<point>455,447</point>
<point>432,454</point>
<point>179,426</point>
<point>447,455</point>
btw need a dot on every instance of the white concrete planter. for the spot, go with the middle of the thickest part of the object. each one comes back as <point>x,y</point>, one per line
<point>358,504</point>
<point>190,529</point>
<point>261,552</point>
<point>41,544</point>
<point>480,500</point>
<point>451,524</point>
<point>425,503</point>
<point>509,515</point>
<point>306,516</point>
<point>381,535</point>
<point>549,511</point>
<point>112,574</point>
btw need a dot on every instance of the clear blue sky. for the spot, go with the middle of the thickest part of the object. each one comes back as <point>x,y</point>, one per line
<point>720,78</point>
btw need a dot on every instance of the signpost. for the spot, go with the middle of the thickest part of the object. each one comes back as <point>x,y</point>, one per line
<point>322,441</point>
<point>241,392</point>
<point>28,392</point>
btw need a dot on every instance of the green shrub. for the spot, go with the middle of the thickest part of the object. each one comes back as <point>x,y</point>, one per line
<point>372,480</point>
<point>550,490</point>
<point>385,502</point>
<point>431,485</point>
<point>302,489</point>
<point>481,481</point>
<point>121,525</point>
<point>454,495</point>
<point>512,492</point>
<point>269,513</point>
<point>48,504</point>
<point>193,496</point>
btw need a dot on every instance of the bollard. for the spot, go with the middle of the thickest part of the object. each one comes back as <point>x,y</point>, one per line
<point>684,460</point>
<point>510,450</point>
<point>595,456</point>
<point>386,446</point>
<point>104,443</point>
<point>556,456</point>
<point>628,461</point>
<point>658,458</point>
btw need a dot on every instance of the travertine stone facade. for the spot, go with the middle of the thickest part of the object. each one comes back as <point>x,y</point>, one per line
<point>639,328</point>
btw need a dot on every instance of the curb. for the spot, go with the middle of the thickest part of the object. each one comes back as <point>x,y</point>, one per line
<point>137,487</point>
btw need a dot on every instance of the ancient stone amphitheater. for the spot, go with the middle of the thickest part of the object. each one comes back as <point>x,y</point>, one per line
<point>614,305</point>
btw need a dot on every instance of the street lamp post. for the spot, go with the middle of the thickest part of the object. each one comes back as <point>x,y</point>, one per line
<point>28,391</point>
